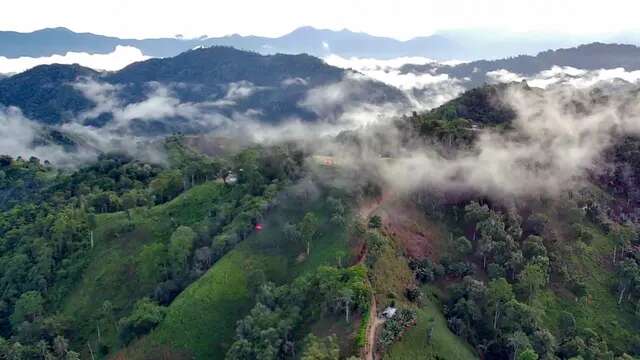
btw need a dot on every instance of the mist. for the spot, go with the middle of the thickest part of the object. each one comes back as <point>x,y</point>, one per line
<point>557,139</point>
<point>425,91</point>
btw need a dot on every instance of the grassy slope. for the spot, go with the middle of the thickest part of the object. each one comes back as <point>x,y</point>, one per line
<point>111,274</point>
<point>444,344</point>
<point>391,276</point>
<point>599,311</point>
<point>204,316</point>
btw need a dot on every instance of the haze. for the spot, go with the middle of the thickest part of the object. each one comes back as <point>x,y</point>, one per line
<point>401,19</point>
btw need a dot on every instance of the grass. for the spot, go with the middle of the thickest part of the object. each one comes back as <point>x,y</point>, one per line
<point>112,271</point>
<point>444,345</point>
<point>390,276</point>
<point>203,318</point>
<point>599,311</point>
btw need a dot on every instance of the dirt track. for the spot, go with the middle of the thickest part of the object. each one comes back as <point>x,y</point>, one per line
<point>418,236</point>
<point>374,325</point>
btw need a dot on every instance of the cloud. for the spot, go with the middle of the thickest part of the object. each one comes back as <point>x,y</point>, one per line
<point>161,105</point>
<point>116,60</point>
<point>23,137</point>
<point>424,90</point>
<point>294,81</point>
<point>567,75</point>
<point>237,91</point>
<point>558,138</point>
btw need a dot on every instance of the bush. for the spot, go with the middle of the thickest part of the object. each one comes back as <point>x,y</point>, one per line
<point>395,327</point>
<point>426,270</point>
<point>145,316</point>
<point>414,295</point>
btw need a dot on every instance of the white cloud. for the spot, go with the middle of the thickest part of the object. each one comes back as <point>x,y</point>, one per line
<point>116,60</point>
<point>424,90</point>
<point>19,135</point>
<point>567,75</point>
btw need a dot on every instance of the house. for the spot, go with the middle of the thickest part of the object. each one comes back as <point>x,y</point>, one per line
<point>231,178</point>
<point>389,312</point>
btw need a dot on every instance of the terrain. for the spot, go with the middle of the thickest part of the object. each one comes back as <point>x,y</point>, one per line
<point>216,80</point>
<point>499,225</point>
<point>593,56</point>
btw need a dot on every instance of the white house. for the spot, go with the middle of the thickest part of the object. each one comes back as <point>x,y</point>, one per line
<point>389,312</point>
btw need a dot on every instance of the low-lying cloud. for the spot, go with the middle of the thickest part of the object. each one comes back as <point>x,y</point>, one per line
<point>566,75</point>
<point>558,138</point>
<point>116,60</point>
<point>424,90</point>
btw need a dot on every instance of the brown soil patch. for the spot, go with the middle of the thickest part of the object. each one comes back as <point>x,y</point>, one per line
<point>412,230</point>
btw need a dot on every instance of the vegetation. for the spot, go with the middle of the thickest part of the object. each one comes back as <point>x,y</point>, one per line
<point>123,258</point>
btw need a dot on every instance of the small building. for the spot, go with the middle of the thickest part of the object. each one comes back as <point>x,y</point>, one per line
<point>231,178</point>
<point>389,312</point>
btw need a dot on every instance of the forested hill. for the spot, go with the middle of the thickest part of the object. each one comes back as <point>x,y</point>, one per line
<point>588,57</point>
<point>224,79</point>
<point>272,252</point>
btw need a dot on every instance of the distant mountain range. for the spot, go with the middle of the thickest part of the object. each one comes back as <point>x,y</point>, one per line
<point>592,56</point>
<point>215,80</point>
<point>463,45</point>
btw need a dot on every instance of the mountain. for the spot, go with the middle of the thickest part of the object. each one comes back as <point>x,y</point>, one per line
<point>221,79</point>
<point>445,45</point>
<point>45,92</point>
<point>317,42</point>
<point>592,56</point>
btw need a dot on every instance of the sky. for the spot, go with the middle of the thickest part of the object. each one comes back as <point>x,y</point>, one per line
<point>401,19</point>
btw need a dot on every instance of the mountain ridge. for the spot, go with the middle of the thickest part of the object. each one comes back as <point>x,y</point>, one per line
<point>445,45</point>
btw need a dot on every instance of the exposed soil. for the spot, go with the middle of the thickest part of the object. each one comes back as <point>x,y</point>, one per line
<point>419,237</point>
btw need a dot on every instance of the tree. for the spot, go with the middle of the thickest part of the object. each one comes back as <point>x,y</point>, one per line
<point>92,222</point>
<point>533,246</point>
<point>462,246</point>
<point>375,222</point>
<point>291,233</point>
<point>340,255</point>
<point>309,229</point>
<point>180,247</point>
<point>567,324</point>
<point>29,307</point>
<point>144,317</point>
<point>153,262</point>
<point>528,354</point>
<point>533,278</point>
<point>320,349</point>
<point>499,292</point>
<point>346,297</point>
<point>622,236</point>
<point>536,223</point>
<point>629,277</point>
<point>518,341</point>
<point>129,201</point>
<point>474,213</point>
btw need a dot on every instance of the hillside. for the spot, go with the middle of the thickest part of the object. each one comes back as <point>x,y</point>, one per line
<point>216,80</point>
<point>592,56</point>
<point>277,252</point>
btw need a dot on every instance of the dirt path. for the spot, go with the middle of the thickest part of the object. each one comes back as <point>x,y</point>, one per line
<point>365,211</point>
<point>374,324</point>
